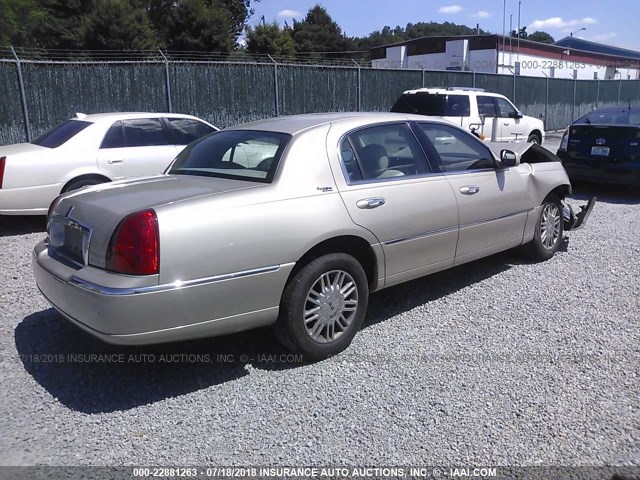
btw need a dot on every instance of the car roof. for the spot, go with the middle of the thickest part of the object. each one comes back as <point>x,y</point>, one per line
<point>294,124</point>
<point>112,116</point>
<point>443,90</point>
<point>619,108</point>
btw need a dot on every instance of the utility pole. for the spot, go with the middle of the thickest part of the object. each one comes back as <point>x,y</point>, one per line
<point>518,57</point>
<point>504,18</point>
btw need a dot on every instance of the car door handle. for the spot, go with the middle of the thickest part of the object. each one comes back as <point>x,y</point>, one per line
<point>369,203</point>
<point>469,189</point>
<point>111,162</point>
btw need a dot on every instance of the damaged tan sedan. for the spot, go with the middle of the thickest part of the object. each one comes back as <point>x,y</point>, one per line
<point>293,222</point>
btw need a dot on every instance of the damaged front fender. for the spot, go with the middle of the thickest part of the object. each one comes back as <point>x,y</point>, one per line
<point>576,220</point>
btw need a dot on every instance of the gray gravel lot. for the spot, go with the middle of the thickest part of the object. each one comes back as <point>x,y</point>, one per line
<point>498,362</point>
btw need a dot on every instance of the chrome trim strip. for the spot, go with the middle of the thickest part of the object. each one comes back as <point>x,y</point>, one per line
<point>450,229</point>
<point>93,287</point>
<point>420,235</point>
<point>497,218</point>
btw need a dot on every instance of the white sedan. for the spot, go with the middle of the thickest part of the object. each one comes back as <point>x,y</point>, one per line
<point>91,149</point>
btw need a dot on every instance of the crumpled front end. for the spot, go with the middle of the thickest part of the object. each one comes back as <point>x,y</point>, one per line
<point>576,220</point>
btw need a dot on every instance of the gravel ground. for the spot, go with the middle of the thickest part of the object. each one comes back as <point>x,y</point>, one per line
<point>498,362</point>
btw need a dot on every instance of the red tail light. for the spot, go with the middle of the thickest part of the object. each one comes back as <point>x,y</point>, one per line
<point>134,248</point>
<point>3,162</point>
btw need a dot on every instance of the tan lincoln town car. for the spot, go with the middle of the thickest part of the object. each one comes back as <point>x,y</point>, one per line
<point>292,222</point>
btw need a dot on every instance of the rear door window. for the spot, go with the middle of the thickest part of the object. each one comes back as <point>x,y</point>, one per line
<point>457,106</point>
<point>114,137</point>
<point>382,151</point>
<point>186,130</point>
<point>487,106</point>
<point>144,132</point>
<point>61,134</point>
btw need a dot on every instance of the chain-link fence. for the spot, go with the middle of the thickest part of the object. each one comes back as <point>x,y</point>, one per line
<point>40,89</point>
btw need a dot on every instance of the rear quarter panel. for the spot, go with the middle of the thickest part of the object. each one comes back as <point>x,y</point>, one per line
<point>274,225</point>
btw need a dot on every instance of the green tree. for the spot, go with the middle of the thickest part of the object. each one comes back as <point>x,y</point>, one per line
<point>58,24</point>
<point>271,39</point>
<point>319,33</point>
<point>16,19</point>
<point>239,12</point>
<point>167,15</point>
<point>522,34</point>
<point>197,26</point>
<point>398,34</point>
<point>542,37</point>
<point>117,25</point>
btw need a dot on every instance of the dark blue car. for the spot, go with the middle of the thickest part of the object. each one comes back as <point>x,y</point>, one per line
<point>604,146</point>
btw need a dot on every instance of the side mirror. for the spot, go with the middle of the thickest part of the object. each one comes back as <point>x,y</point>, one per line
<point>508,158</point>
<point>517,114</point>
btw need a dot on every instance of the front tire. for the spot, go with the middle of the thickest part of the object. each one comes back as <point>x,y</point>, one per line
<point>534,138</point>
<point>323,306</point>
<point>549,231</point>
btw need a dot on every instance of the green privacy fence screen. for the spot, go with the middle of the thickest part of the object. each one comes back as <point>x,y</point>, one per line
<point>37,95</point>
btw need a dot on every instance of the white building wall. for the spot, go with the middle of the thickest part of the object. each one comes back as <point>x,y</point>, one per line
<point>482,61</point>
<point>566,67</point>
<point>457,55</point>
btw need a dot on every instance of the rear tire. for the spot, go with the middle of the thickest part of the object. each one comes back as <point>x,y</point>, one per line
<point>323,306</point>
<point>549,231</point>
<point>77,184</point>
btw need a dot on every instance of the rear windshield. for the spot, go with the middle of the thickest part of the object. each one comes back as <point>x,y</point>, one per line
<point>238,154</point>
<point>61,134</point>
<point>435,105</point>
<point>611,117</point>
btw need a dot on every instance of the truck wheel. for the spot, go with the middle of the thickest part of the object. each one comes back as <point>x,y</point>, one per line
<point>534,138</point>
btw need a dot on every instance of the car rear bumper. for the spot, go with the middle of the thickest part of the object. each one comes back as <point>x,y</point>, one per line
<point>627,173</point>
<point>163,313</point>
<point>28,200</point>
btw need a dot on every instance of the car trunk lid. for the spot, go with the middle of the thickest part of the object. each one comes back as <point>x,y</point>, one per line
<point>90,216</point>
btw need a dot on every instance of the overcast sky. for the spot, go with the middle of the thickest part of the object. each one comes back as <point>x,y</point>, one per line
<point>613,22</point>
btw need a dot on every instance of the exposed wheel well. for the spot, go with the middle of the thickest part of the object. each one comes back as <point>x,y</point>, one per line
<point>92,176</point>
<point>357,247</point>
<point>560,191</point>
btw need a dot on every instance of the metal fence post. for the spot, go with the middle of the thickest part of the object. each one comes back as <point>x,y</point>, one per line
<point>167,83</point>
<point>275,82</point>
<point>598,94</point>
<point>359,84</point>
<point>514,86</point>
<point>546,102</point>
<point>25,110</point>
<point>423,85</point>
<point>619,88</point>
<point>573,105</point>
